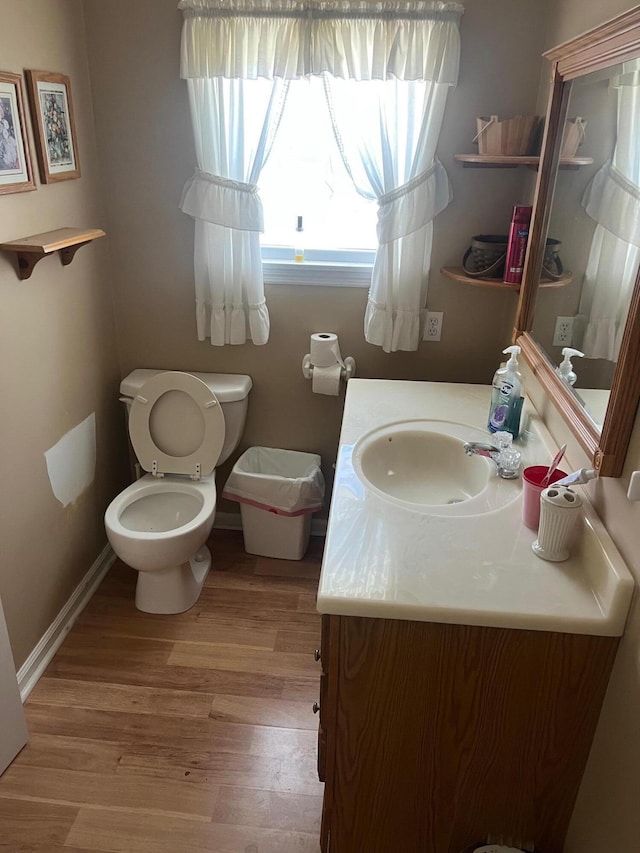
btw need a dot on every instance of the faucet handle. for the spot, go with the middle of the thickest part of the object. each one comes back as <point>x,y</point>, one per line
<point>507,459</point>
<point>503,439</point>
<point>509,462</point>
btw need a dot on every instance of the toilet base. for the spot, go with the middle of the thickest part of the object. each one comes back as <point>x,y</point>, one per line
<point>176,589</point>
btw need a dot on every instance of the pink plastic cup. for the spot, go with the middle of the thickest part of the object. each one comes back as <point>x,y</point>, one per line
<point>532,488</point>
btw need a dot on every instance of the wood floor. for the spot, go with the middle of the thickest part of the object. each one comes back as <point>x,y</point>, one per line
<point>178,734</point>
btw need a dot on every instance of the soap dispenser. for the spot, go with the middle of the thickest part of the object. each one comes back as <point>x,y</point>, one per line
<point>507,396</point>
<point>565,369</point>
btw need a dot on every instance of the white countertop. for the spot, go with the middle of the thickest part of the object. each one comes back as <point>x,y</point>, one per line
<point>442,565</point>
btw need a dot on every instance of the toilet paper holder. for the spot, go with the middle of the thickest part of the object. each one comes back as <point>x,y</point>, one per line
<point>347,372</point>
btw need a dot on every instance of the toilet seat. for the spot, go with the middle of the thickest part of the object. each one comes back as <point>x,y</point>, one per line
<point>202,457</point>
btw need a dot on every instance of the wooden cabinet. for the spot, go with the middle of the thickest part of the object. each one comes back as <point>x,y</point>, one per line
<point>438,738</point>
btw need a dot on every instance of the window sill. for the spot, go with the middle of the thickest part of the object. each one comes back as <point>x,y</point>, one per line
<point>317,273</point>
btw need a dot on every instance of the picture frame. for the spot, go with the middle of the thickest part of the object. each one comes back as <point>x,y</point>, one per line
<point>53,126</point>
<point>16,174</point>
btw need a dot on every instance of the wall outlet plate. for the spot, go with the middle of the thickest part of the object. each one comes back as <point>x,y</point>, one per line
<point>563,333</point>
<point>634,487</point>
<point>433,326</point>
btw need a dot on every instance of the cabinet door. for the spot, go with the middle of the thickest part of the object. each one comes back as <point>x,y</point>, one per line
<point>322,754</point>
<point>12,720</point>
<point>326,713</point>
<point>329,648</point>
<point>449,736</point>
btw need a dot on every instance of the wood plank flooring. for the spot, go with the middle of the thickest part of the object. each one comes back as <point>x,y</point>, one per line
<point>178,734</point>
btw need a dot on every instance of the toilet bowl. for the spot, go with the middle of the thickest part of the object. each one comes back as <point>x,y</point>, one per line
<point>160,523</point>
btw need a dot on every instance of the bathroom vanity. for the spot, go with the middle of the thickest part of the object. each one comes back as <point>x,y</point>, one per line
<point>462,676</point>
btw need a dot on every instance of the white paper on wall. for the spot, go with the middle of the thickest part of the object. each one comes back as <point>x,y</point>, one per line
<point>71,463</point>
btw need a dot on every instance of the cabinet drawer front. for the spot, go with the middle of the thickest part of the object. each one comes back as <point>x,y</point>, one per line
<point>324,702</point>
<point>325,642</point>
<point>322,754</point>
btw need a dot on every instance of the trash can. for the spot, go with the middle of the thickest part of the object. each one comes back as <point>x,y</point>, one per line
<point>278,490</point>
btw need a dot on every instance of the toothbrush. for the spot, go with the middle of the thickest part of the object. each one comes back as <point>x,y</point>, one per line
<point>554,464</point>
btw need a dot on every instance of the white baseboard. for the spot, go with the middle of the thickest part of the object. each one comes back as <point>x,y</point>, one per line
<point>232,521</point>
<point>50,642</point>
<point>32,669</point>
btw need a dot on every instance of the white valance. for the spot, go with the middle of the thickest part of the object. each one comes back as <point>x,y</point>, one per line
<point>630,75</point>
<point>289,39</point>
<point>613,201</point>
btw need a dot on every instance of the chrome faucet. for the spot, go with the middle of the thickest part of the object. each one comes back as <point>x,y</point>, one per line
<point>507,460</point>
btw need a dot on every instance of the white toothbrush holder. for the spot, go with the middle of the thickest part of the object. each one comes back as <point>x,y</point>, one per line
<point>559,511</point>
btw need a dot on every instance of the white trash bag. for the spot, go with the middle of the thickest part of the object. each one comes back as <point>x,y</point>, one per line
<point>285,482</point>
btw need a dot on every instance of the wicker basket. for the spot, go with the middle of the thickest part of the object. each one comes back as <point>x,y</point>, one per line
<point>552,268</point>
<point>487,254</point>
<point>509,137</point>
<point>485,257</point>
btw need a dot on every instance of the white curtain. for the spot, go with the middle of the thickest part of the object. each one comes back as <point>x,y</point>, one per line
<point>411,50</point>
<point>612,199</point>
<point>232,145</point>
<point>387,132</point>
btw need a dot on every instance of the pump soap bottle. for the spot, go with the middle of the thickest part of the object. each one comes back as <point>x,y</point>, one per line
<point>507,396</point>
<point>565,369</point>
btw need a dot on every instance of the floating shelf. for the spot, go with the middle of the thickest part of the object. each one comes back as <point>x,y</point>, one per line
<point>498,161</point>
<point>458,274</point>
<point>67,241</point>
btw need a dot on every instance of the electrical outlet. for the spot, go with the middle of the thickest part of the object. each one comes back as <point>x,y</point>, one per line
<point>563,333</point>
<point>433,326</point>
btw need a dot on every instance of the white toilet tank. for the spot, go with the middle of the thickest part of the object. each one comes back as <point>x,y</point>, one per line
<point>231,390</point>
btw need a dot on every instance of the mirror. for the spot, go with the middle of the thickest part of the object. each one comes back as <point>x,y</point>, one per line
<point>585,212</point>
<point>595,212</point>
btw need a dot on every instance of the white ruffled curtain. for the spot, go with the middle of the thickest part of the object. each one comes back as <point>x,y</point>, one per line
<point>612,199</point>
<point>232,145</point>
<point>387,132</point>
<point>413,47</point>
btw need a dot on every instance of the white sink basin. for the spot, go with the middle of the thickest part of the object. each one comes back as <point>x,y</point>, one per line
<point>421,465</point>
<point>411,462</point>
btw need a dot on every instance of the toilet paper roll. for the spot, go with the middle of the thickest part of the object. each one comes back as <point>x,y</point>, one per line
<point>325,349</point>
<point>326,380</point>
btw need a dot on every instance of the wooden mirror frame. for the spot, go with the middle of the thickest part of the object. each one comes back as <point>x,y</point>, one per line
<point>614,42</point>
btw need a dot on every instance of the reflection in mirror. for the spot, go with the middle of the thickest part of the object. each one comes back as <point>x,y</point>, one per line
<point>596,216</point>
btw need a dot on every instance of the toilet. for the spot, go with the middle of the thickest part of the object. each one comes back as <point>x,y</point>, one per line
<point>181,426</point>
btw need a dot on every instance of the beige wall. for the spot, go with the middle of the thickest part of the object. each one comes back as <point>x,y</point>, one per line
<point>606,817</point>
<point>58,360</point>
<point>147,153</point>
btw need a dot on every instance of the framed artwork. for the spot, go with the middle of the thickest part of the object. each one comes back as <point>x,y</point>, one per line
<point>16,175</point>
<point>53,126</point>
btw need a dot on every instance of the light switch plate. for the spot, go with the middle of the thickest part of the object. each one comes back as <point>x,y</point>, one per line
<point>634,487</point>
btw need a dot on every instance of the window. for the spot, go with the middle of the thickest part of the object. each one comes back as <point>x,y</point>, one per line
<point>305,176</point>
<point>397,65</point>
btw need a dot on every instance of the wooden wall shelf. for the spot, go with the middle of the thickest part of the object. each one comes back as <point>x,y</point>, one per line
<point>67,241</point>
<point>458,274</point>
<point>496,161</point>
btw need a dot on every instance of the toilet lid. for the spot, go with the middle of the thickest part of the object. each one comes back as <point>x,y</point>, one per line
<point>176,424</point>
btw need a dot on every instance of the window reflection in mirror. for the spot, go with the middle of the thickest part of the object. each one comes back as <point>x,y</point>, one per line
<point>596,216</point>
